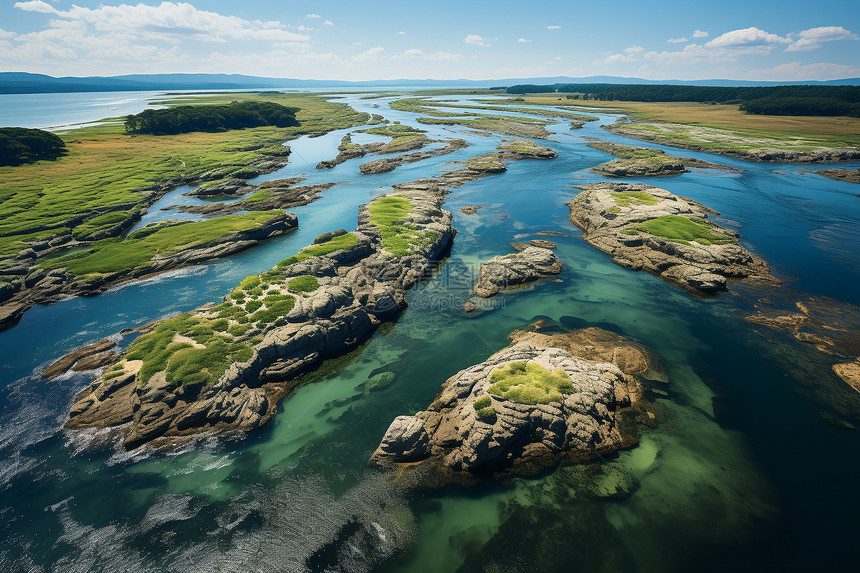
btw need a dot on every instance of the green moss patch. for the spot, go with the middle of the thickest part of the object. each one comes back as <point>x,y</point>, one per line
<point>628,198</point>
<point>330,246</point>
<point>110,256</point>
<point>529,383</point>
<point>683,230</point>
<point>304,283</point>
<point>184,363</point>
<point>389,214</point>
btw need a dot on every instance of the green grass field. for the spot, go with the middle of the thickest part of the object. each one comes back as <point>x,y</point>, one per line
<point>105,168</point>
<point>111,256</point>
<point>682,230</point>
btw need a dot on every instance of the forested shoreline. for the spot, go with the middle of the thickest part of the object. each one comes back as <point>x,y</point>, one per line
<point>771,100</point>
<point>211,118</point>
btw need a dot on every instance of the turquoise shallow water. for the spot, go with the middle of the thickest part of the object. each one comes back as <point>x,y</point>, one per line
<point>741,474</point>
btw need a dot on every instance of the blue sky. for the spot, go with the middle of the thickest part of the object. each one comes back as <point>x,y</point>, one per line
<point>659,39</point>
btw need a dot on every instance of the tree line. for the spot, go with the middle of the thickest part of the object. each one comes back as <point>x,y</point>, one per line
<point>774,100</point>
<point>19,145</point>
<point>187,118</point>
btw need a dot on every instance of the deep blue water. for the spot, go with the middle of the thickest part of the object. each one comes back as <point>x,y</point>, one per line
<point>743,474</point>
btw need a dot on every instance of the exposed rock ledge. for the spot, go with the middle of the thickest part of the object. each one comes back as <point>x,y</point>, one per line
<point>525,266</point>
<point>355,289</point>
<point>278,194</point>
<point>386,164</point>
<point>460,436</point>
<point>645,161</point>
<point>621,219</point>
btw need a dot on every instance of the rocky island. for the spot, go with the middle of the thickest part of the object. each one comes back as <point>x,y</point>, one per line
<point>278,194</point>
<point>647,228</point>
<point>645,161</point>
<point>515,269</point>
<point>550,396</point>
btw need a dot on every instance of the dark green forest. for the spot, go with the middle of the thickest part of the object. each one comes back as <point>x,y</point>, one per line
<point>20,145</point>
<point>187,118</point>
<point>772,100</point>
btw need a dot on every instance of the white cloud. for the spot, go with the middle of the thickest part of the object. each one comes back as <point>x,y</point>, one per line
<point>811,39</point>
<point>37,6</point>
<point>295,47</point>
<point>796,71</point>
<point>691,53</point>
<point>700,34</point>
<point>751,36</point>
<point>312,16</point>
<point>629,55</point>
<point>4,35</point>
<point>165,21</point>
<point>369,55</point>
<point>328,23</point>
<point>523,41</point>
<point>476,40</point>
<point>553,27</point>
<point>442,56</point>
<point>401,33</point>
<point>413,53</point>
<point>681,40</point>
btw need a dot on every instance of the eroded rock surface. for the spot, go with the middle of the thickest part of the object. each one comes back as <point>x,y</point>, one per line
<point>623,219</point>
<point>278,194</point>
<point>386,164</point>
<point>645,161</point>
<point>528,265</point>
<point>469,430</point>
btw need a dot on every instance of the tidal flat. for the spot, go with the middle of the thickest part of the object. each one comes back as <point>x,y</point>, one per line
<point>732,457</point>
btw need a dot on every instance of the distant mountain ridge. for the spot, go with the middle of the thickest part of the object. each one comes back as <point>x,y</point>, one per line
<point>23,82</point>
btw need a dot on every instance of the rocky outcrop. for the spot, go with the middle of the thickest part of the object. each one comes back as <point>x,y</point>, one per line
<point>85,358</point>
<point>386,164</point>
<point>278,194</point>
<point>470,209</point>
<point>509,150</point>
<point>471,429</point>
<point>525,266</point>
<point>647,228</point>
<point>348,150</point>
<point>42,286</point>
<point>840,174</point>
<point>645,161</point>
<point>338,298</point>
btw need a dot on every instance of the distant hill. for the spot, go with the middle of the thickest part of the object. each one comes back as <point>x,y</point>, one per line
<point>22,82</point>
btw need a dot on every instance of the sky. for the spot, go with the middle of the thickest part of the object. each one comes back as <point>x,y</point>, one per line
<point>348,40</point>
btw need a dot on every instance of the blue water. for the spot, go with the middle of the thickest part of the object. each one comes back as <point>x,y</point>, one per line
<point>767,486</point>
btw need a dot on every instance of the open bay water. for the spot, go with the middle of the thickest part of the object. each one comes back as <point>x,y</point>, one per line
<point>741,473</point>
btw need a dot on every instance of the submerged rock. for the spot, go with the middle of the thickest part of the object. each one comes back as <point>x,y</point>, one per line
<point>473,428</point>
<point>647,228</point>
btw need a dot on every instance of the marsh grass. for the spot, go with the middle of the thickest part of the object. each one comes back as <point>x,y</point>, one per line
<point>334,244</point>
<point>106,169</point>
<point>110,256</point>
